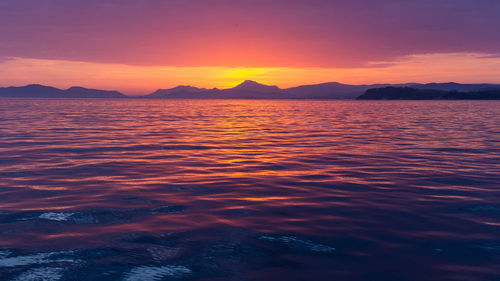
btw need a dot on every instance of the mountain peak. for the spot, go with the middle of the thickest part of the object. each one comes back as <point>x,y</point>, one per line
<point>37,86</point>
<point>249,85</point>
<point>76,88</point>
<point>187,88</point>
<point>179,91</point>
<point>250,82</point>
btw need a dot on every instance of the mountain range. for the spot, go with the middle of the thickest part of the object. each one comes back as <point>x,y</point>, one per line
<point>40,91</point>
<point>407,93</point>
<point>333,90</point>
<point>246,90</point>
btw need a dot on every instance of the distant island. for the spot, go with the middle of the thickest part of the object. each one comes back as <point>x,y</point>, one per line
<point>408,93</point>
<point>253,90</point>
<point>333,90</point>
<point>40,91</point>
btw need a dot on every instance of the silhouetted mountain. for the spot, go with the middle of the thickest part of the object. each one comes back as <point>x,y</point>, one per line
<point>453,87</point>
<point>342,91</point>
<point>247,90</point>
<point>182,92</point>
<point>40,91</point>
<point>252,86</point>
<point>253,90</point>
<point>31,91</point>
<point>332,90</point>
<point>250,90</point>
<point>407,93</point>
<point>80,92</point>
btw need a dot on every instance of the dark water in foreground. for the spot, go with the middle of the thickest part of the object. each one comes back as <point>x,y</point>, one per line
<point>249,190</point>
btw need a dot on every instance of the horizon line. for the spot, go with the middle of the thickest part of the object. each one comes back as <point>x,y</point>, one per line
<point>402,84</point>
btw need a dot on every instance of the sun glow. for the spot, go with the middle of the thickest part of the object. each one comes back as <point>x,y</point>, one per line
<point>235,76</point>
<point>137,80</point>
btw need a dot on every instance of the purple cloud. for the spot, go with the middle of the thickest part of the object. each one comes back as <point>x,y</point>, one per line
<point>245,33</point>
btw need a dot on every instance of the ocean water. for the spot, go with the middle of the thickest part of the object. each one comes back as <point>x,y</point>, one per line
<point>249,190</point>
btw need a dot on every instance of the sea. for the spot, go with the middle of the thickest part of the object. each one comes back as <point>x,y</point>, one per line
<point>136,189</point>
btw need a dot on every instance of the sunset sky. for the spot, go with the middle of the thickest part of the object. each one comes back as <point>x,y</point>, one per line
<point>137,46</point>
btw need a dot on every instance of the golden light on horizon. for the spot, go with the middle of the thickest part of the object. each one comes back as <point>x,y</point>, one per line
<point>137,80</point>
<point>238,75</point>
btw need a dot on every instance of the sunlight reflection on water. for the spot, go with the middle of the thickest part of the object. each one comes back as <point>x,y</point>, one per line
<point>131,187</point>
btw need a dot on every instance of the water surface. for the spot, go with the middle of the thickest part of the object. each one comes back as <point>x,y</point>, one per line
<point>249,190</point>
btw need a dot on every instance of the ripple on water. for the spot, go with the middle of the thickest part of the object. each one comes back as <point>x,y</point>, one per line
<point>40,258</point>
<point>156,273</point>
<point>139,189</point>
<point>483,209</point>
<point>41,274</point>
<point>96,216</point>
<point>298,243</point>
<point>56,216</point>
<point>174,209</point>
<point>5,253</point>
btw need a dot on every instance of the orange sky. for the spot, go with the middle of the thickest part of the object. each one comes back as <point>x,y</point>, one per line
<point>137,80</point>
<point>139,46</point>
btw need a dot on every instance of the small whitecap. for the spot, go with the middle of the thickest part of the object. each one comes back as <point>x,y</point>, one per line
<point>150,273</point>
<point>56,216</point>
<point>5,253</point>
<point>293,241</point>
<point>163,253</point>
<point>491,247</point>
<point>41,274</point>
<point>41,258</point>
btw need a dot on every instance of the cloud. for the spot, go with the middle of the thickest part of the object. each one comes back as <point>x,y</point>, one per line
<point>246,33</point>
<point>5,59</point>
<point>494,56</point>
